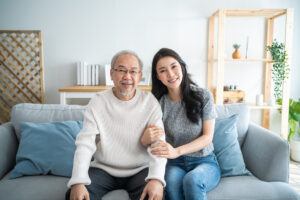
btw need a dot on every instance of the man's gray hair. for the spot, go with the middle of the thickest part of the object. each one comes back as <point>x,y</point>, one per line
<point>123,52</point>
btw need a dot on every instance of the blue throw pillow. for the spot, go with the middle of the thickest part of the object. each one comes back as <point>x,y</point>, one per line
<point>227,148</point>
<point>46,148</point>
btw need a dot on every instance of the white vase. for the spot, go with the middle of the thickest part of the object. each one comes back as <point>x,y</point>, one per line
<point>259,99</point>
<point>295,149</point>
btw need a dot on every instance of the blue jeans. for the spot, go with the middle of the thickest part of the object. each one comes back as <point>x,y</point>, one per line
<point>191,177</point>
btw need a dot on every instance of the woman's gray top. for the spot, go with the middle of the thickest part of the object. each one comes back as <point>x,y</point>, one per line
<point>179,129</point>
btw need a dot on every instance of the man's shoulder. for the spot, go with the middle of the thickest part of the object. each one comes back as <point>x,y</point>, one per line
<point>100,96</point>
<point>146,95</point>
<point>104,92</point>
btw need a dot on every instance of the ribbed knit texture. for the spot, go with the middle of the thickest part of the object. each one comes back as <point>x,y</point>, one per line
<point>120,125</point>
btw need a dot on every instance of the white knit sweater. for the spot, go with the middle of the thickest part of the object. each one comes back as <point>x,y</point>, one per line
<point>120,125</point>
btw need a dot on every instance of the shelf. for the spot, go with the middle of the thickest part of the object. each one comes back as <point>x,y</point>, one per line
<point>265,106</point>
<point>268,13</point>
<point>96,88</point>
<point>217,59</point>
<point>243,60</point>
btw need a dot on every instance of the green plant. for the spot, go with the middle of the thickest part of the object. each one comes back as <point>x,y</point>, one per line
<point>294,116</point>
<point>236,46</point>
<point>280,70</point>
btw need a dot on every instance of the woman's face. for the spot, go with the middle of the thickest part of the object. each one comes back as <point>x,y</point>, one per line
<point>169,72</point>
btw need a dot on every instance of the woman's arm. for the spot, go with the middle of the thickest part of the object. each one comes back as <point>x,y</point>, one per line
<point>164,149</point>
<point>204,140</point>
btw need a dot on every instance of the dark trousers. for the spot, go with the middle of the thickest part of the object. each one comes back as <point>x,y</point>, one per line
<point>102,183</point>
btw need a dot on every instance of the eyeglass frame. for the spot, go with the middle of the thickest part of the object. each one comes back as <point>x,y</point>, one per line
<point>125,71</point>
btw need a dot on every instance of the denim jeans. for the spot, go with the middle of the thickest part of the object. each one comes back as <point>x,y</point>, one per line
<point>191,177</point>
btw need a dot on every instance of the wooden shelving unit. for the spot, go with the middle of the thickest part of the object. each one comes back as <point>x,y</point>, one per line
<point>270,15</point>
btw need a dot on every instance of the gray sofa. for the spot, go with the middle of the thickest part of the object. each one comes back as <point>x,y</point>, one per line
<point>266,155</point>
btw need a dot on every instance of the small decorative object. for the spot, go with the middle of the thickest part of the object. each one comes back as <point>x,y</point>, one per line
<point>247,43</point>
<point>259,99</point>
<point>281,69</point>
<point>226,88</point>
<point>236,54</point>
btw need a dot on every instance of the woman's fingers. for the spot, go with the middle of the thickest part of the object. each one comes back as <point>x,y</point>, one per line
<point>158,144</point>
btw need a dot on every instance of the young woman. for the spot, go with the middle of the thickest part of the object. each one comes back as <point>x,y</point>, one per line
<point>189,117</point>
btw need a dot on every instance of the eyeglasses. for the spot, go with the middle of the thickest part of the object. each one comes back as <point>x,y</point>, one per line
<point>125,71</point>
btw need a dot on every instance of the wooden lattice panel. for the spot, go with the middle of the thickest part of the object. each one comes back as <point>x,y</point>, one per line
<point>21,70</point>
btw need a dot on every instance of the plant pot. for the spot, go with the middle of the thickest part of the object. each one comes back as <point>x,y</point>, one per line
<point>236,54</point>
<point>295,149</point>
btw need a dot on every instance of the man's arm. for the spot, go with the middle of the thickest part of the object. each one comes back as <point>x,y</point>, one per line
<point>156,165</point>
<point>85,148</point>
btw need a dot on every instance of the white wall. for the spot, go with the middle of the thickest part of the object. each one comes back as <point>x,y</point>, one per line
<point>93,30</point>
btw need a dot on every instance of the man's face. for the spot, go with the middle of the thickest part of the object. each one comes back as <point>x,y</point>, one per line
<point>126,74</point>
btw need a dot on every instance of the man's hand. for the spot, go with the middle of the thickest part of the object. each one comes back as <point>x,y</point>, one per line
<point>151,134</point>
<point>154,189</point>
<point>79,192</point>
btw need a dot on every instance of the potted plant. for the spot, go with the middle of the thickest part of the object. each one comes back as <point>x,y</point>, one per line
<point>280,69</point>
<point>236,54</point>
<point>294,128</point>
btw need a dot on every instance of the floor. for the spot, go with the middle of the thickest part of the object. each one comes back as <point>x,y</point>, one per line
<point>295,175</point>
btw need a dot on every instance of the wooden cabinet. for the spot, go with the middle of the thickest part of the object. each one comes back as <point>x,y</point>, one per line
<point>219,59</point>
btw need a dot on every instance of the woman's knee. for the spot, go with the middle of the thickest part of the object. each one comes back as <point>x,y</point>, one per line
<point>192,179</point>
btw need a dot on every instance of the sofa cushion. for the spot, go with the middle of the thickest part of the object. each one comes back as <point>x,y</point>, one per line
<point>250,187</point>
<point>43,188</point>
<point>46,148</point>
<point>242,110</point>
<point>227,148</point>
<point>39,113</point>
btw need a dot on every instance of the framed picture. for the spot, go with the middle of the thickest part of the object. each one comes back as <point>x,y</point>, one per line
<point>146,79</point>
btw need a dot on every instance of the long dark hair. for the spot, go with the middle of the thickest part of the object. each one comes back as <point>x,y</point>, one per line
<point>191,99</point>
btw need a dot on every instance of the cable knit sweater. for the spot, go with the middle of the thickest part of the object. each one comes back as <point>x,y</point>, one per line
<point>120,125</point>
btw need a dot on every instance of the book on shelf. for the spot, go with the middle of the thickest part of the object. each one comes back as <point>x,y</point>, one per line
<point>92,74</point>
<point>97,71</point>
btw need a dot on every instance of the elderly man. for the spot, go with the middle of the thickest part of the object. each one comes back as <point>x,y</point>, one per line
<point>120,116</point>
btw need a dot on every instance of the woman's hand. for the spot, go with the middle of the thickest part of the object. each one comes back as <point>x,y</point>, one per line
<point>164,150</point>
<point>151,134</point>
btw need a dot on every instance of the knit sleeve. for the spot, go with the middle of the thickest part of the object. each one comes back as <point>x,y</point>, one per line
<point>156,165</point>
<point>208,111</point>
<point>85,148</point>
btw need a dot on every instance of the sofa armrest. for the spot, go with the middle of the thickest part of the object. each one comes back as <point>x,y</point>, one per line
<point>8,148</point>
<point>266,154</point>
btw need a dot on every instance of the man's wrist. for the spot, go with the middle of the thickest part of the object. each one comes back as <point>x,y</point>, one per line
<point>77,184</point>
<point>157,180</point>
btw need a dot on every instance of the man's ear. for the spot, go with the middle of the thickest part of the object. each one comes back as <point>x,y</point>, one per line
<point>111,72</point>
<point>140,76</point>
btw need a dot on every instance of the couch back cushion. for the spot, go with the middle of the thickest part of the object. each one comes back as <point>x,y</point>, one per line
<point>41,113</point>
<point>227,110</point>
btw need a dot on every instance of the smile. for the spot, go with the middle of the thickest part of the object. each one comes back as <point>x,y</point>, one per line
<point>173,80</point>
<point>126,82</point>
